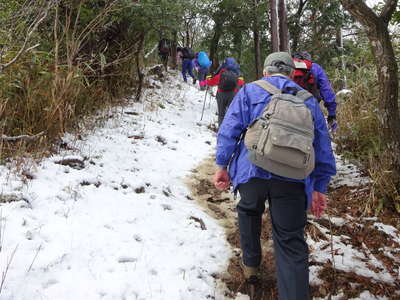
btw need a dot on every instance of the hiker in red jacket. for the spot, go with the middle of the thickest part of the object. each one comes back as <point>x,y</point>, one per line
<point>229,82</point>
<point>312,77</point>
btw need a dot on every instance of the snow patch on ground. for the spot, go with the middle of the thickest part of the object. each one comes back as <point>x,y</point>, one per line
<point>110,219</point>
<point>347,174</point>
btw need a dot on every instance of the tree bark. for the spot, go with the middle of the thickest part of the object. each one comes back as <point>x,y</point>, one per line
<point>283,27</point>
<point>257,43</point>
<point>339,44</point>
<point>174,44</point>
<point>274,26</point>
<point>238,44</point>
<point>257,53</point>
<point>214,45</point>
<point>385,61</point>
<point>187,43</point>
<point>138,67</point>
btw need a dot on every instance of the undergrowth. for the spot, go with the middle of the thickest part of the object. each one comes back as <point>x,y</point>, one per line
<point>359,138</point>
<point>36,99</point>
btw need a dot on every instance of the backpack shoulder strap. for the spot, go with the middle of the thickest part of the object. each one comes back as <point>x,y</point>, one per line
<point>304,95</point>
<point>267,86</point>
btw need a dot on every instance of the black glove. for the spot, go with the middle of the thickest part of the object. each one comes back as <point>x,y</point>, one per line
<point>332,124</point>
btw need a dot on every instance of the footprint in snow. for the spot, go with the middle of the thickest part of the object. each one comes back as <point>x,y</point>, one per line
<point>127,259</point>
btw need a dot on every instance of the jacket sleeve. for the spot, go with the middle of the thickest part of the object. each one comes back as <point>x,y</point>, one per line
<point>325,166</point>
<point>235,121</point>
<point>325,89</point>
<point>214,81</point>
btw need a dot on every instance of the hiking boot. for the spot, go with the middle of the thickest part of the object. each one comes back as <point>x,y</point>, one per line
<point>194,80</point>
<point>251,274</point>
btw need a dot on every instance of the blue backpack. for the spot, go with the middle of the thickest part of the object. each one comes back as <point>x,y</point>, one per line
<point>203,59</point>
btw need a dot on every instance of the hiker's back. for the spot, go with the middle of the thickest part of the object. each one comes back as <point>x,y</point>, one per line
<point>203,59</point>
<point>280,140</point>
<point>303,75</point>
<point>187,52</point>
<point>228,80</point>
<point>163,47</point>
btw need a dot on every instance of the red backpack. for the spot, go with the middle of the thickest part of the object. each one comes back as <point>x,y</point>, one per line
<point>304,77</point>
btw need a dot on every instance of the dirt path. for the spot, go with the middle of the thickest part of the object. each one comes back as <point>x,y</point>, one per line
<point>350,255</point>
<point>222,207</point>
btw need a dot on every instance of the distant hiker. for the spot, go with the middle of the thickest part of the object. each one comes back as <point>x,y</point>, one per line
<point>164,50</point>
<point>312,77</point>
<point>187,66</point>
<point>179,55</point>
<point>229,81</point>
<point>288,146</point>
<point>202,64</point>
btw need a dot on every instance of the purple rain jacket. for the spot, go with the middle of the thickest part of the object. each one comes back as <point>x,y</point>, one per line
<point>325,89</point>
<point>247,105</point>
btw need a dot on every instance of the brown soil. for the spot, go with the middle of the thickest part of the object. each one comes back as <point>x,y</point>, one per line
<point>343,202</point>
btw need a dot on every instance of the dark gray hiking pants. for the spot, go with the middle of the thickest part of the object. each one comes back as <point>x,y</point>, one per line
<point>224,99</point>
<point>287,207</point>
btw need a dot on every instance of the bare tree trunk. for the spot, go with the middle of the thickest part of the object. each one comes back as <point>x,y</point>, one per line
<point>315,37</point>
<point>274,26</point>
<point>174,44</point>
<point>257,44</point>
<point>238,44</point>
<point>257,53</point>
<point>283,27</point>
<point>187,43</point>
<point>214,45</point>
<point>385,61</point>
<point>297,29</point>
<point>138,67</point>
<point>339,44</point>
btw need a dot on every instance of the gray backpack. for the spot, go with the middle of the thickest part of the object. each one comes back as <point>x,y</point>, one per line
<point>281,139</point>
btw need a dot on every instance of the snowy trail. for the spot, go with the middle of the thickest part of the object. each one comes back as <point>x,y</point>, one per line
<point>113,218</point>
<point>117,224</point>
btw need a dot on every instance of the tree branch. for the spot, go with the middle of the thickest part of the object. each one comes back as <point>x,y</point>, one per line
<point>362,11</point>
<point>32,28</point>
<point>388,10</point>
<point>13,139</point>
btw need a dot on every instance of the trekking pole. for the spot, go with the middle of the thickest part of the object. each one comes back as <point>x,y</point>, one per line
<point>204,104</point>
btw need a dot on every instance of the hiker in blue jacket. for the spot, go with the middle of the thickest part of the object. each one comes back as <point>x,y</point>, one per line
<point>319,86</point>
<point>202,64</point>
<point>187,65</point>
<point>288,198</point>
<point>229,63</point>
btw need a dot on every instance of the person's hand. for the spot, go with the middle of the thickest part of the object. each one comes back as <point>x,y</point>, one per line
<point>318,204</point>
<point>332,123</point>
<point>221,180</point>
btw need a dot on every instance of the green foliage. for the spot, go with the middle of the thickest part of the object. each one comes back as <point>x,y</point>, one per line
<point>162,16</point>
<point>315,28</point>
<point>237,19</point>
<point>83,62</point>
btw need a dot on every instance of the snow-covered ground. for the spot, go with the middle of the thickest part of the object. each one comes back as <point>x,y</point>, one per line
<point>111,217</point>
<point>115,221</point>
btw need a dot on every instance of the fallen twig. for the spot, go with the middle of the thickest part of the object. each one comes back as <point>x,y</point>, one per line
<point>4,274</point>
<point>37,253</point>
<point>25,137</point>
<point>200,221</point>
